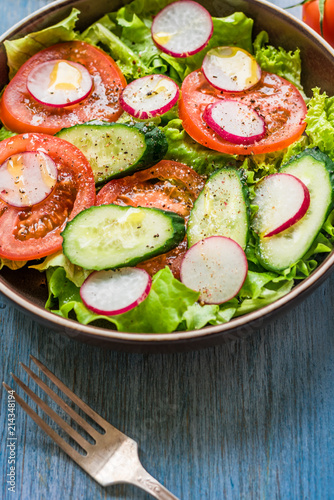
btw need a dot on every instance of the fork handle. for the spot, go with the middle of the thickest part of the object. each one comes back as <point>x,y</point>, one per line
<point>146,482</point>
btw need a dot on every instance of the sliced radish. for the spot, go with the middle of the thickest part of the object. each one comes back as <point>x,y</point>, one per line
<point>115,291</point>
<point>231,69</point>
<point>149,96</point>
<point>235,122</point>
<point>59,83</point>
<point>282,200</point>
<point>27,178</point>
<point>182,28</point>
<point>216,267</point>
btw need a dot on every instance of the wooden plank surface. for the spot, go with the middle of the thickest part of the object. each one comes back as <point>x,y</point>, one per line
<point>250,420</point>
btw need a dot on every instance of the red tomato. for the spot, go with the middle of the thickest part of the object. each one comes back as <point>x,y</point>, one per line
<point>311,16</point>
<point>276,100</point>
<point>20,112</point>
<point>34,232</point>
<point>169,185</point>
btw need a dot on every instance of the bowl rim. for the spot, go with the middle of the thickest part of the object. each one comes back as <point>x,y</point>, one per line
<point>245,321</point>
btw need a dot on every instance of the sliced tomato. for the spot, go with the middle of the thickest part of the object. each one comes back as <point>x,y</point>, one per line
<point>34,232</point>
<point>169,185</point>
<point>275,99</point>
<point>20,112</point>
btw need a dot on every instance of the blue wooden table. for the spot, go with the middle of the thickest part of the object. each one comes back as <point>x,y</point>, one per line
<point>250,420</point>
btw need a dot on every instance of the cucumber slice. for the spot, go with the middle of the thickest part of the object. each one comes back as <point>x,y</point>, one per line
<point>115,150</point>
<point>316,171</point>
<point>112,236</point>
<point>221,209</point>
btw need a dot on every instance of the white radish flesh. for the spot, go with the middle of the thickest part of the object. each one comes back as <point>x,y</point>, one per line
<point>231,69</point>
<point>59,83</point>
<point>235,122</point>
<point>216,267</point>
<point>115,291</point>
<point>282,200</point>
<point>27,178</point>
<point>182,28</point>
<point>149,96</point>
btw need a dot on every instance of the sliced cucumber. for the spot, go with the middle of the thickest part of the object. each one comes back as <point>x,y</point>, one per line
<point>316,171</point>
<point>112,236</point>
<point>221,209</point>
<point>115,150</point>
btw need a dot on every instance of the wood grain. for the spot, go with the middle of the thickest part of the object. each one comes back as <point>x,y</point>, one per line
<point>250,420</point>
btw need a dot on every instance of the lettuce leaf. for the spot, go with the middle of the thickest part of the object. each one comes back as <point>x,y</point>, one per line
<point>20,50</point>
<point>286,64</point>
<point>167,294</point>
<point>126,34</point>
<point>320,122</point>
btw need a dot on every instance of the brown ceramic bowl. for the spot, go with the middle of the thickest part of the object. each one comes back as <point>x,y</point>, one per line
<point>26,288</point>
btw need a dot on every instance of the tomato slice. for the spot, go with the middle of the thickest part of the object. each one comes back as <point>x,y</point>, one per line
<point>275,99</point>
<point>169,185</point>
<point>20,112</point>
<point>34,232</point>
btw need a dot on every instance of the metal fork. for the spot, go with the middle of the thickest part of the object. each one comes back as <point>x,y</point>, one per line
<point>114,456</point>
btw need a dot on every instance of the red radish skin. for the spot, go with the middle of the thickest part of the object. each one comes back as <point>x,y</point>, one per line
<point>182,28</point>
<point>53,83</point>
<point>27,178</point>
<point>149,96</point>
<point>115,291</point>
<point>216,267</point>
<point>283,200</point>
<point>231,69</point>
<point>235,122</point>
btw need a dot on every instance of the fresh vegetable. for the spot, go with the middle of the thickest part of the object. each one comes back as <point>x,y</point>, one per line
<point>235,122</point>
<point>322,21</point>
<point>182,28</point>
<point>169,185</point>
<point>34,232</point>
<point>116,150</point>
<point>221,209</point>
<point>316,171</point>
<point>282,108</point>
<point>216,267</point>
<point>149,96</point>
<point>115,291</point>
<point>110,236</point>
<point>231,69</point>
<point>27,178</point>
<point>20,112</point>
<point>59,83</point>
<point>126,36</point>
<point>282,200</point>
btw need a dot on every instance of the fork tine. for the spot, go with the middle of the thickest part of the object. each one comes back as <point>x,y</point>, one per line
<point>46,428</point>
<point>60,402</point>
<point>59,421</point>
<point>91,413</point>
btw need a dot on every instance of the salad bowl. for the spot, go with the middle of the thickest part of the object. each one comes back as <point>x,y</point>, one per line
<point>26,288</point>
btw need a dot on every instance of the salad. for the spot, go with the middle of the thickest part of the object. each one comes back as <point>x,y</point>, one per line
<point>161,185</point>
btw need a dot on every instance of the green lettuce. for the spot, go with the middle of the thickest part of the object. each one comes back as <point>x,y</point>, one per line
<point>286,64</point>
<point>126,34</point>
<point>20,50</point>
<point>320,122</point>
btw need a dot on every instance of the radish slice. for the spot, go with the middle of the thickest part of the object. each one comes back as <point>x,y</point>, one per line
<point>115,291</point>
<point>216,267</point>
<point>27,178</point>
<point>59,83</point>
<point>235,122</point>
<point>231,69</point>
<point>149,96</point>
<point>283,200</point>
<point>182,28</point>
